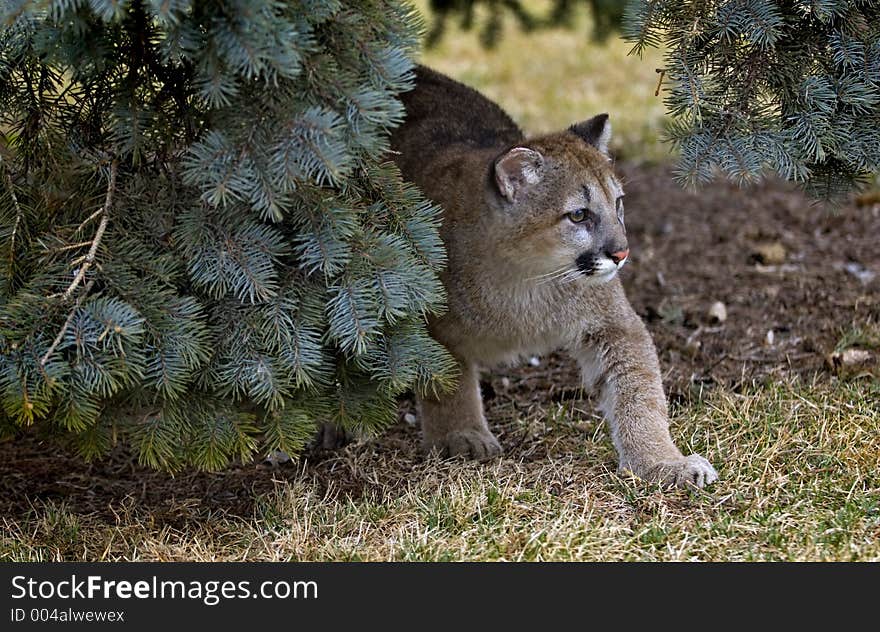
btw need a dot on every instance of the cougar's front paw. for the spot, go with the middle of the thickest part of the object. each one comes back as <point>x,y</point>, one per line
<point>472,444</point>
<point>688,471</point>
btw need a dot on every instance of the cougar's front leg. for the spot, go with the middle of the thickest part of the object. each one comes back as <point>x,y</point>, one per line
<point>622,363</point>
<point>454,423</point>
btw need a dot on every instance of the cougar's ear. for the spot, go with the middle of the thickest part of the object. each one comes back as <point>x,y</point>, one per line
<point>596,131</point>
<point>516,170</point>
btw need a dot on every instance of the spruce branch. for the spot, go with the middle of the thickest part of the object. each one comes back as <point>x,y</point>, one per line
<point>759,87</point>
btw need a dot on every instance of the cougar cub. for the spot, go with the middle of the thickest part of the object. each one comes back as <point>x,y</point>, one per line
<point>534,230</point>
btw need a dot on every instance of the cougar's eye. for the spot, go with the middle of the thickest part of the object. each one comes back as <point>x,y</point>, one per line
<point>578,215</point>
<point>620,210</point>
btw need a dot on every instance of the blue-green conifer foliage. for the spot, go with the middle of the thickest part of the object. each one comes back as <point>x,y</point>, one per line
<point>790,87</point>
<point>204,252</point>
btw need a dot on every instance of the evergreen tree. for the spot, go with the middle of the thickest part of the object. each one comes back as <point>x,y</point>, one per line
<point>201,250</point>
<point>792,86</point>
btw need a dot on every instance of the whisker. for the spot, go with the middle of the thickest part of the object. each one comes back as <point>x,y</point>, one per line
<point>558,275</point>
<point>572,275</point>
<point>548,274</point>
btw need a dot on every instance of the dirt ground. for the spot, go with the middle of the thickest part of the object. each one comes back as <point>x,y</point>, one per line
<point>778,264</point>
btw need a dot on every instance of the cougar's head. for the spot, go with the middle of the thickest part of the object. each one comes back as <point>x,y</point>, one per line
<point>560,206</point>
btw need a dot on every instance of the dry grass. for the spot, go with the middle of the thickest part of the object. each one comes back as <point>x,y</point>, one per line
<point>799,482</point>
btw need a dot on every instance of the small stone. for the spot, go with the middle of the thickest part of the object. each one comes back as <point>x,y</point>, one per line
<point>717,312</point>
<point>850,359</point>
<point>860,272</point>
<point>535,361</point>
<point>772,253</point>
<point>505,382</point>
<point>277,457</point>
<point>410,419</point>
<point>856,356</point>
<point>770,338</point>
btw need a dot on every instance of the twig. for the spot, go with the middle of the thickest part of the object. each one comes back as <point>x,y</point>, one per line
<point>87,220</point>
<point>690,339</point>
<point>18,212</point>
<point>96,241</point>
<point>661,72</point>
<point>73,246</point>
<point>89,259</point>
<point>67,322</point>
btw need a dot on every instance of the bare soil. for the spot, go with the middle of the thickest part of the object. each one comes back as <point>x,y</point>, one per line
<point>778,264</point>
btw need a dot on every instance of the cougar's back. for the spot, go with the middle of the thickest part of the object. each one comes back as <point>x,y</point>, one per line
<point>442,113</point>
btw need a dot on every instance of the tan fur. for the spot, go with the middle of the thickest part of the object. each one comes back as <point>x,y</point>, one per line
<point>513,279</point>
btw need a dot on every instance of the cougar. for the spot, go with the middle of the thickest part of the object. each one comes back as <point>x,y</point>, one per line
<point>535,236</point>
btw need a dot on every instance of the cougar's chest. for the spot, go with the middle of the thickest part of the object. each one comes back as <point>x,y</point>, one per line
<point>501,323</point>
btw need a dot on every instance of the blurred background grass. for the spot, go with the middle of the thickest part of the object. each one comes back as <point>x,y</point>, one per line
<point>548,79</point>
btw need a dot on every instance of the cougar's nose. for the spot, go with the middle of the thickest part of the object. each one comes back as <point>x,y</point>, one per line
<point>619,256</point>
